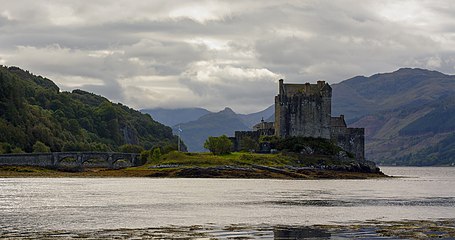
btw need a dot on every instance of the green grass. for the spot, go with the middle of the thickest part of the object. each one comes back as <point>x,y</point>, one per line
<point>233,159</point>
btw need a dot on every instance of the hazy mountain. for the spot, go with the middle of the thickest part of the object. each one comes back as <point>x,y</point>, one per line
<point>198,123</point>
<point>408,115</point>
<point>194,133</point>
<point>171,117</point>
<point>403,88</point>
<point>253,118</point>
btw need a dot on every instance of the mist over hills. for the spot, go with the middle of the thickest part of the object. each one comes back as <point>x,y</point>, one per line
<point>171,117</point>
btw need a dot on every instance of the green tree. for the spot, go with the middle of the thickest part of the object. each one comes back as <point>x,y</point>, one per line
<point>156,154</point>
<point>5,148</point>
<point>40,147</point>
<point>17,150</point>
<point>131,148</point>
<point>218,145</point>
<point>145,156</point>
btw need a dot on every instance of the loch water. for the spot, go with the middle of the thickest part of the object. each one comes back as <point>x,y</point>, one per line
<point>42,204</point>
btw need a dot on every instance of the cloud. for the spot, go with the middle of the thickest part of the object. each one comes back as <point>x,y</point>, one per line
<point>242,87</point>
<point>220,53</point>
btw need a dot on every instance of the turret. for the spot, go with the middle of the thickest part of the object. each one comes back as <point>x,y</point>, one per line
<point>280,87</point>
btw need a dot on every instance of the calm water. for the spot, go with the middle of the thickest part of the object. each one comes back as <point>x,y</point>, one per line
<point>111,203</point>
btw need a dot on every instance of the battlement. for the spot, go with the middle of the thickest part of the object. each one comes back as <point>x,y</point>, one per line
<point>303,110</point>
<point>291,89</point>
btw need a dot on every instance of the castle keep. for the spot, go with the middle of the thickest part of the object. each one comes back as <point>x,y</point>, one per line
<point>306,110</point>
<point>303,110</point>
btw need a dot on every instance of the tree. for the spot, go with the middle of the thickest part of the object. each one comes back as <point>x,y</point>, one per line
<point>145,156</point>
<point>40,147</point>
<point>218,145</point>
<point>131,148</point>
<point>156,154</point>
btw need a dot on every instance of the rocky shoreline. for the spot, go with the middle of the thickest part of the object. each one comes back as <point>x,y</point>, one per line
<point>407,229</point>
<point>225,171</point>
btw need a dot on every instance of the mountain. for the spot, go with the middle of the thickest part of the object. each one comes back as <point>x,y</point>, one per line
<point>408,115</point>
<point>253,118</point>
<point>404,88</point>
<point>33,110</point>
<point>171,117</point>
<point>194,133</point>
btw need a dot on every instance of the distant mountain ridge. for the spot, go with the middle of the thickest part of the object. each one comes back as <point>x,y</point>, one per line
<point>406,87</point>
<point>194,133</point>
<point>171,117</point>
<point>198,124</point>
<point>407,114</point>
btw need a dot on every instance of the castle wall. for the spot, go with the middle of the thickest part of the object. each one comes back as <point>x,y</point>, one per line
<point>240,135</point>
<point>351,140</point>
<point>303,110</point>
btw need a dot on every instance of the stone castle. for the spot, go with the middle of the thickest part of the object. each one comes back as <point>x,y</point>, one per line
<point>306,110</point>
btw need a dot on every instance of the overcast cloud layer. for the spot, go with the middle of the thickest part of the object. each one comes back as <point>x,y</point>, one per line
<point>214,54</point>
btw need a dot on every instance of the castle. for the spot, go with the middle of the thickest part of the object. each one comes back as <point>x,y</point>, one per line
<point>306,110</point>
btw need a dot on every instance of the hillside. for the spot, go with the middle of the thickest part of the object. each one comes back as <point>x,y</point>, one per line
<point>408,115</point>
<point>194,133</point>
<point>404,88</point>
<point>33,109</point>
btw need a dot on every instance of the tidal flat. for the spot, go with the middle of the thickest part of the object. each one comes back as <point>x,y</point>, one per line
<point>407,229</point>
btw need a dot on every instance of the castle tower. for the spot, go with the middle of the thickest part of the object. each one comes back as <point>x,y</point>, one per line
<point>303,110</point>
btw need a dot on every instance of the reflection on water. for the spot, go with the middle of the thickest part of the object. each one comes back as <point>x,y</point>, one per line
<point>93,204</point>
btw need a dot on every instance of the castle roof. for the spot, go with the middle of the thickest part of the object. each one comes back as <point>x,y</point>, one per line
<point>291,89</point>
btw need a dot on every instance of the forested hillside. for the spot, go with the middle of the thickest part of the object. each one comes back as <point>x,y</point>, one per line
<point>33,110</point>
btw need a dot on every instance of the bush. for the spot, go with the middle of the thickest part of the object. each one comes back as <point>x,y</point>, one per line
<point>40,147</point>
<point>218,145</point>
<point>145,156</point>
<point>17,150</point>
<point>5,148</point>
<point>130,148</point>
<point>156,154</point>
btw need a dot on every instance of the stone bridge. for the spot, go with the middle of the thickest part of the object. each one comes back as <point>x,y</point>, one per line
<point>55,159</point>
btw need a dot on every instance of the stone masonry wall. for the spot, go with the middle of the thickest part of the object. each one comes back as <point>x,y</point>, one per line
<point>351,140</point>
<point>27,159</point>
<point>305,112</point>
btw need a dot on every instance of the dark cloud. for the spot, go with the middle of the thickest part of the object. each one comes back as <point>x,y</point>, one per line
<point>220,53</point>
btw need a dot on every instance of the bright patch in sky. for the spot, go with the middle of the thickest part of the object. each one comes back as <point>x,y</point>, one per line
<point>212,54</point>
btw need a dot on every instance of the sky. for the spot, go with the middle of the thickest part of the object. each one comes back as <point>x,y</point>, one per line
<point>213,54</point>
